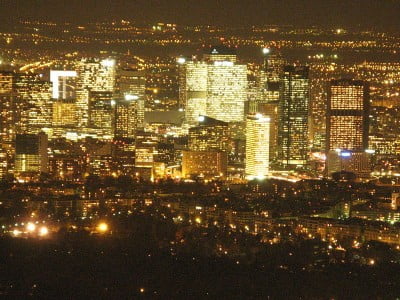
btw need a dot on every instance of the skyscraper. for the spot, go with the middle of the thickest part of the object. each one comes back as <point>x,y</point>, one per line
<point>226,91</point>
<point>347,115</point>
<point>271,74</point>
<point>257,146</point>
<point>215,87</point>
<point>209,135</point>
<point>93,75</point>
<point>293,117</point>
<point>101,112</point>
<point>32,103</point>
<point>208,148</point>
<point>130,102</point>
<point>193,90</point>
<point>347,127</point>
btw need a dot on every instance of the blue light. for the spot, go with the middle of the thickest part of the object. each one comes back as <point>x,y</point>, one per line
<point>345,154</point>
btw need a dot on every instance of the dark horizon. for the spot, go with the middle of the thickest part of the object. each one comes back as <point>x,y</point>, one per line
<point>327,13</point>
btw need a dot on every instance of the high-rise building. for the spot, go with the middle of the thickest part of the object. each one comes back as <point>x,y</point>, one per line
<point>347,127</point>
<point>270,75</point>
<point>347,115</point>
<point>31,153</point>
<point>209,135</point>
<point>92,75</point>
<point>257,146</point>
<point>215,86</point>
<point>7,111</point>
<point>270,110</point>
<point>101,111</point>
<point>64,113</point>
<point>293,117</point>
<point>130,102</point>
<point>193,89</point>
<point>32,103</point>
<point>208,148</point>
<point>226,91</point>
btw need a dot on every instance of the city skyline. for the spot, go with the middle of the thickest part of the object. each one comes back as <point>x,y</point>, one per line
<point>200,149</point>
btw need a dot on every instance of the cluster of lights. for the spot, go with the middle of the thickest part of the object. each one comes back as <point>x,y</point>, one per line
<point>223,63</point>
<point>32,228</point>
<point>129,97</point>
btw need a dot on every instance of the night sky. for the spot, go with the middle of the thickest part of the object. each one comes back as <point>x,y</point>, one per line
<point>367,13</point>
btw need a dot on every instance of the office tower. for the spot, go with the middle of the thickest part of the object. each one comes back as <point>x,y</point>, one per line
<point>257,146</point>
<point>215,86</point>
<point>4,166</point>
<point>347,115</point>
<point>6,107</point>
<point>208,149</point>
<point>31,153</point>
<point>101,111</point>
<point>270,110</point>
<point>226,91</point>
<point>64,113</point>
<point>130,102</point>
<point>271,74</point>
<point>92,75</point>
<point>209,135</point>
<point>347,127</point>
<point>32,103</point>
<point>293,117</point>
<point>268,94</point>
<point>193,90</point>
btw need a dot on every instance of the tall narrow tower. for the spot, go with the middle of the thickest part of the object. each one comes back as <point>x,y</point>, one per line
<point>293,117</point>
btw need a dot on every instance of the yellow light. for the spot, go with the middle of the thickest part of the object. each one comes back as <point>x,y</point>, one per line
<point>371,262</point>
<point>30,227</point>
<point>142,290</point>
<point>16,232</point>
<point>198,220</point>
<point>102,227</point>
<point>43,231</point>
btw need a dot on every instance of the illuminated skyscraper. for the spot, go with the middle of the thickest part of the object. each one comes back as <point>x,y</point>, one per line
<point>130,102</point>
<point>208,149</point>
<point>226,91</point>
<point>193,89</point>
<point>347,115</point>
<point>347,127</point>
<point>257,146</point>
<point>215,87</point>
<point>93,75</point>
<point>32,103</point>
<point>101,111</point>
<point>271,74</point>
<point>64,113</point>
<point>7,113</point>
<point>209,135</point>
<point>293,117</point>
<point>270,110</point>
<point>268,93</point>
